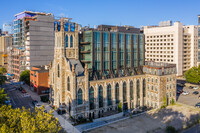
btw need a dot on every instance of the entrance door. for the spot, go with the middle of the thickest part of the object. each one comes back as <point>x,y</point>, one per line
<point>125,106</point>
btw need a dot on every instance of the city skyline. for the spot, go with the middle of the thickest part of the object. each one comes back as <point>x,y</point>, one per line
<point>134,13</point>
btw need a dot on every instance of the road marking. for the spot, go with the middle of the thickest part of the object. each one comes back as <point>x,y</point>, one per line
<point>31,105</point>
<point>13,101</point>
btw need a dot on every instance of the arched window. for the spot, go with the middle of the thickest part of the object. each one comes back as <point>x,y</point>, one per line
<point>100,96</point>
<point>71,41</point>
<point>53,78</point>
<point>58,71</point>
<point>68,84</point>
<point>124,92</point>
<point>109,100</point>
<point>138,88</point>
<point>144,88</point>
<point>80,96</point>
<point>117,93</point>
<point>91,98</point>
<point>131,90</point>
<point>66,41</point>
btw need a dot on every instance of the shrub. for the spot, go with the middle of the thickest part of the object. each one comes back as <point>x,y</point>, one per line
<point>120,107</point>
<point>172,102</point>
<point>171,129</point>
<point>90,119</point>
<point>44,98</point>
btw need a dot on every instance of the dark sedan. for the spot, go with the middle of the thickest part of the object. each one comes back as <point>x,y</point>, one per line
<point>34,102</point>
<point>195,92</point>
<point>197,105</point>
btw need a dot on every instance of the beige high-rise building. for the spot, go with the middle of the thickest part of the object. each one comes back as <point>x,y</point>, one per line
<point>175,43</point>
<point>5,41</point>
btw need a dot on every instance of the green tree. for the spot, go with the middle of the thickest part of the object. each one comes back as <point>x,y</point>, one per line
<point>120,107</point>
<point>2,70</point>
<point>25,76</point>
<point>193,75</point>
<point>172,101</point>
<point>2,79</point>
<point>25,121</point>
<point>164,102</point>
<point>3,97</point>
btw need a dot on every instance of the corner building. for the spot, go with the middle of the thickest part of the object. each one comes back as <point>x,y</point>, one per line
<point>96,69</point>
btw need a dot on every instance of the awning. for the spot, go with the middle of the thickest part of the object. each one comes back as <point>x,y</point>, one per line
<point>10,74</point>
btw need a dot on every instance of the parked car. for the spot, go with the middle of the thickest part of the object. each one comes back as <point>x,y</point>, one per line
<point>34,102</point>
<point>196,87</point>
<point>190,87</point>
<point>19,88</point>
<point>26,95</point>
<point>195,92</point>
<point>38,105</point>
<point>199,97</point>
<point>197,105</point>
<point>23,91</point>
<point>61,111</point>
<point>185,93</point>
<point>180,84</point>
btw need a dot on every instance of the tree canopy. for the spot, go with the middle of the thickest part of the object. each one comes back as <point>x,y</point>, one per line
<point>2,79</point>
<point>23,120</point>
<point>25,76</point>
<point>2,70</point>
<point>193,75</point>
<point>3,97</point>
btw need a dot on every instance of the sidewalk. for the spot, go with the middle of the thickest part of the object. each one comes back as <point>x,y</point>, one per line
<point>33,95</point>
<point>64,123</point>
<point>97,124</point>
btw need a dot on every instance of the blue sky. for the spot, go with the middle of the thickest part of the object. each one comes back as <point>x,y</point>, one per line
<point>114,12</point>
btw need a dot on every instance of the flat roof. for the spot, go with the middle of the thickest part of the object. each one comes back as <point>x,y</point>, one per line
<point>40,13</point>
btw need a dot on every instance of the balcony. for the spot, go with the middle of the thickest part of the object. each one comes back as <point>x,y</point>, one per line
<point>28,59</point>
<point>85,61</point>
<point>28,38</point>
<point>27,53</point>
<point>27,48</point>
<point>85,52</point>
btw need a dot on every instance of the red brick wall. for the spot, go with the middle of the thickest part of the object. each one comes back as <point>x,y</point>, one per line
<point>41,81</point>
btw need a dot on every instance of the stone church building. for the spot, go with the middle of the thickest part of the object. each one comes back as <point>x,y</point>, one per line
<point>96,69</point>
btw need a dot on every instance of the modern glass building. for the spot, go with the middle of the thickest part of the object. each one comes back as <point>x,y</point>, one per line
<point>112,51</point>
<point>7,27</point>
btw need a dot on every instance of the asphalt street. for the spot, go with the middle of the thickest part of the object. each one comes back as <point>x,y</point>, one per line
<point>17,98</point>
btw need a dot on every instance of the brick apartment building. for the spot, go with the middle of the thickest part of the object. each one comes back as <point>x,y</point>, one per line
<point>39,78</point>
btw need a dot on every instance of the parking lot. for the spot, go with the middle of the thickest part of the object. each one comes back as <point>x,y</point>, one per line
<point>190,99</point>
